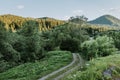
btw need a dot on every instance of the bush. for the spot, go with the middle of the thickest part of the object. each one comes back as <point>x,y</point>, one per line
<point>20,47</point>
<point>116,38</point>
<point>53,60</point>
<point>95,69</point>
<point>69,45</point>
<point>101,46</point>
<point>33,42</point>
<point>4,66</point>
<point>67,37</point>
<point>115,34</point>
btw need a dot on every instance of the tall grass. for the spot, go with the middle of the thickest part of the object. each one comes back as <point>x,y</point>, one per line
<point>94,69</point>
<point>32,71</point>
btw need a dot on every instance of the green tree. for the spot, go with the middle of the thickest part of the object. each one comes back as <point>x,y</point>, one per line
<point>69,45</point>
<point>8,55</point>
<point>33,41</point>
<point>78,19</point>
<point>101,46</point>
<point>61,34</point>
<point>116,37</point>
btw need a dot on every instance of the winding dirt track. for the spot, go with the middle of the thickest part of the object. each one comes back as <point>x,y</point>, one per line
<point>76,58</point>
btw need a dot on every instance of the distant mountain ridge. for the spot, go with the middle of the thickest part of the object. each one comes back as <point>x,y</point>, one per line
<point>106,20</point>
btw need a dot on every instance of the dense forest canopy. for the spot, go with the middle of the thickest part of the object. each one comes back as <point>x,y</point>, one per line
<point>29,44</point>
<point>14,23</point>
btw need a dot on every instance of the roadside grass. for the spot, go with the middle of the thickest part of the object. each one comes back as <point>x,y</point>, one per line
<point>77,68</point>
<point>32,71</point>
<point>65,70</point>
<point>94,69</point>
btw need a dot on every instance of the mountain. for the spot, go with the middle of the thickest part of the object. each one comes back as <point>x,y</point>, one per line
<point>47,18</point>
<point>13,22</point>
<point>106,20</point>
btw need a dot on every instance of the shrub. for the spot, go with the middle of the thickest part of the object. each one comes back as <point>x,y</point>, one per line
<point>33,42</point>
<point>101,46</point>
<point>67,37</point>
<point>4,65</point>
<point>69,45</point>
<point>116,38</point>
<point>96,68</point>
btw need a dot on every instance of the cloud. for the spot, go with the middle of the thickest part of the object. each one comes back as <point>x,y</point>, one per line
<point>65,17</point>
<point>102,10</point>
<point>114,10</point>
<point>110,11</point>
<point>20,6</point>
<point>73,13</point>
<point>77,12</point>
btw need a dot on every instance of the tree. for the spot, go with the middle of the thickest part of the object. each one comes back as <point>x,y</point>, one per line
<point>116,37</point>
<point>2,32</point>
<point>8,55</point>
<point>33,41</point>
<point>78,19</point>
<point>101,46</point>
<point>69,45</point>
<point>29,28</point>
<point>59,36</point>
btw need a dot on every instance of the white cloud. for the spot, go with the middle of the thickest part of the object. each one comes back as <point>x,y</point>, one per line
<point>65,17</point>
<point>114,10</point>
<point>102,10</point>
<point>110,11</point>
<point>73,13</point>
<point>77,12</point>
<point>20,6</point>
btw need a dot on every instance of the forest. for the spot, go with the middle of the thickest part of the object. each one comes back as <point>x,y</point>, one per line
<point>27,42</point>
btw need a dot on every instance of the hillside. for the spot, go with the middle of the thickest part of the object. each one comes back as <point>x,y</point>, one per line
<point>106,20</point>
<point>13,22</point>
<point>104,68</point>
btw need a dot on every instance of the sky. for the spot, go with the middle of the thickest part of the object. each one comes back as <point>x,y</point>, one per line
<point>60,9</point>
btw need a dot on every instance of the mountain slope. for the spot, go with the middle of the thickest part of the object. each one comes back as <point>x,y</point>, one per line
<point>13,22</point>
<point>106,20</point>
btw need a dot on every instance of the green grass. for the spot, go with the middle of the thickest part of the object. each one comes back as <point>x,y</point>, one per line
<point>32,71</point>
<point>95,68</point>
<point>65,70</point>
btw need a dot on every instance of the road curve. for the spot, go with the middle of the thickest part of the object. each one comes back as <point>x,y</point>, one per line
<point>71,70</point>
<point>61,69</point>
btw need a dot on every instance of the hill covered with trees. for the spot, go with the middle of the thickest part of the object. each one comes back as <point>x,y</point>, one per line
<point>13,22</point>
<point>29,40</point>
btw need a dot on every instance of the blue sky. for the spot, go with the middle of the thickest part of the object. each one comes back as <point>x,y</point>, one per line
<point>60,9</point>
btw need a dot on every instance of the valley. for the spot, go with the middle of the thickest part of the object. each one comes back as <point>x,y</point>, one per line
<point>51,49</point>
